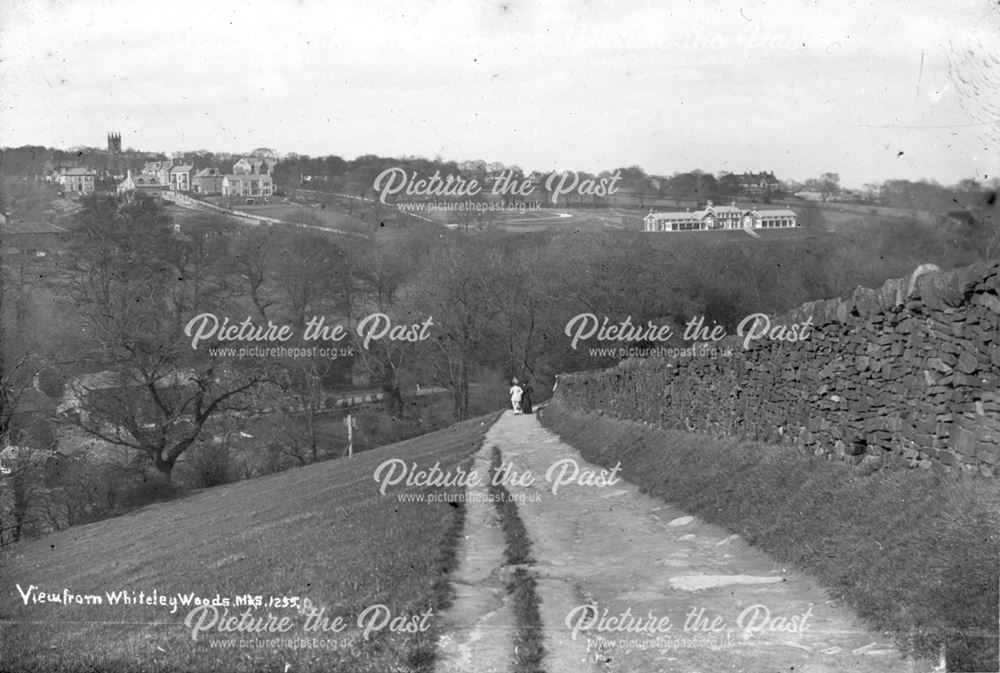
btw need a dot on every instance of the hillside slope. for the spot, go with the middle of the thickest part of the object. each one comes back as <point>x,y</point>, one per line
<point>323,533</point>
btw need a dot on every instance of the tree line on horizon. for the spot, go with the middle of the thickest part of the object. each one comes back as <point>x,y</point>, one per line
<point>355,177</point>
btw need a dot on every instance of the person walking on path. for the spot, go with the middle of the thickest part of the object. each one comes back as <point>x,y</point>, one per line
<point>515,396</point>
<point>526,398</point>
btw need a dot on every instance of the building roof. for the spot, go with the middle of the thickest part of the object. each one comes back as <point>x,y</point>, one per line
<point>208,173</point>
<point>181,169</point>
<point>77,387</point>
<point>676,216</point>
<point>246,176</point>
<point>141,180</point>
<point>700,214</point>
<point>257,160</point>
<point>769,175</point>
<point>79,171</point>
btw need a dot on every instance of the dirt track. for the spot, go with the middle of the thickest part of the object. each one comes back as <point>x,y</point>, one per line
<point>628,583</point>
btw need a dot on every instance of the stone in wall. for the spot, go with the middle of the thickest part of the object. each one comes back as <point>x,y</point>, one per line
<point>908,373</point>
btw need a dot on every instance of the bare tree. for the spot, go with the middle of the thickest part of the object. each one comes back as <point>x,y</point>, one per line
<point>156,394</point>
<point>311,274</point>
<point>458,293</point>
<point>254,257</point>
<point>22,493</point>
<point>385,268</point>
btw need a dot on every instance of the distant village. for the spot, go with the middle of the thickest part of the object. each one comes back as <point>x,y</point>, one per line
<point>181,174</point>
<point>249,176</point>
<point>684,202</point>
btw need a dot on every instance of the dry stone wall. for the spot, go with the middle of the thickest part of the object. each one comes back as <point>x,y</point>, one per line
<point>906,374</point>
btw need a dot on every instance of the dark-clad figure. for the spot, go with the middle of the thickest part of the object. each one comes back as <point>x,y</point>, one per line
<point>526,398</point>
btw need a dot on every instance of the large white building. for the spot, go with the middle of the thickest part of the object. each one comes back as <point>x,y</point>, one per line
<point>78,180</point>
<point>247,185</point>
<point>180,177</point>
<point>719,217</point>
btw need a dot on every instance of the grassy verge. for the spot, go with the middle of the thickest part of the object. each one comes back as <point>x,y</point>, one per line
<point>915,553</point>
<point>323,533</point>
<point>528,642</point>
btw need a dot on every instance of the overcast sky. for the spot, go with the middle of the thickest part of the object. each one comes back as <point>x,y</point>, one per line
<point>870,90</point>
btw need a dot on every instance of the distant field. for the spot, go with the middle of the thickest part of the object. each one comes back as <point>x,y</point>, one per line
<point>625,214</point>
<point>556,220</point>
<point>561,219</point>
<point>584,219</point>
<point>837,215</point>
<point>322,532</point>
<point>327,209</point>
<point>294,212</point>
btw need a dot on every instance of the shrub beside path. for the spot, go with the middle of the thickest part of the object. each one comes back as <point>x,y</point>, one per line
<point>612,564</point>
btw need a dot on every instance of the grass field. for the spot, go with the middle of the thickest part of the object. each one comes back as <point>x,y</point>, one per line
<point>838,216</point>
<point>915,553</point>
<point>300,211</point>
<point>322,533</point>
<point>562,218</point>
<point>293,212</point>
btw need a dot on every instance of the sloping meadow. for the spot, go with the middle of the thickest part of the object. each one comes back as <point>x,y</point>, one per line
<point>313,569</point>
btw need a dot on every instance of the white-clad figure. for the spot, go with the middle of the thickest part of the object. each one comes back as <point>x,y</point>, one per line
<point>515,396</point>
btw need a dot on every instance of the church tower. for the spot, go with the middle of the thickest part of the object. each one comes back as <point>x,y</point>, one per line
<point>115,154</point>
